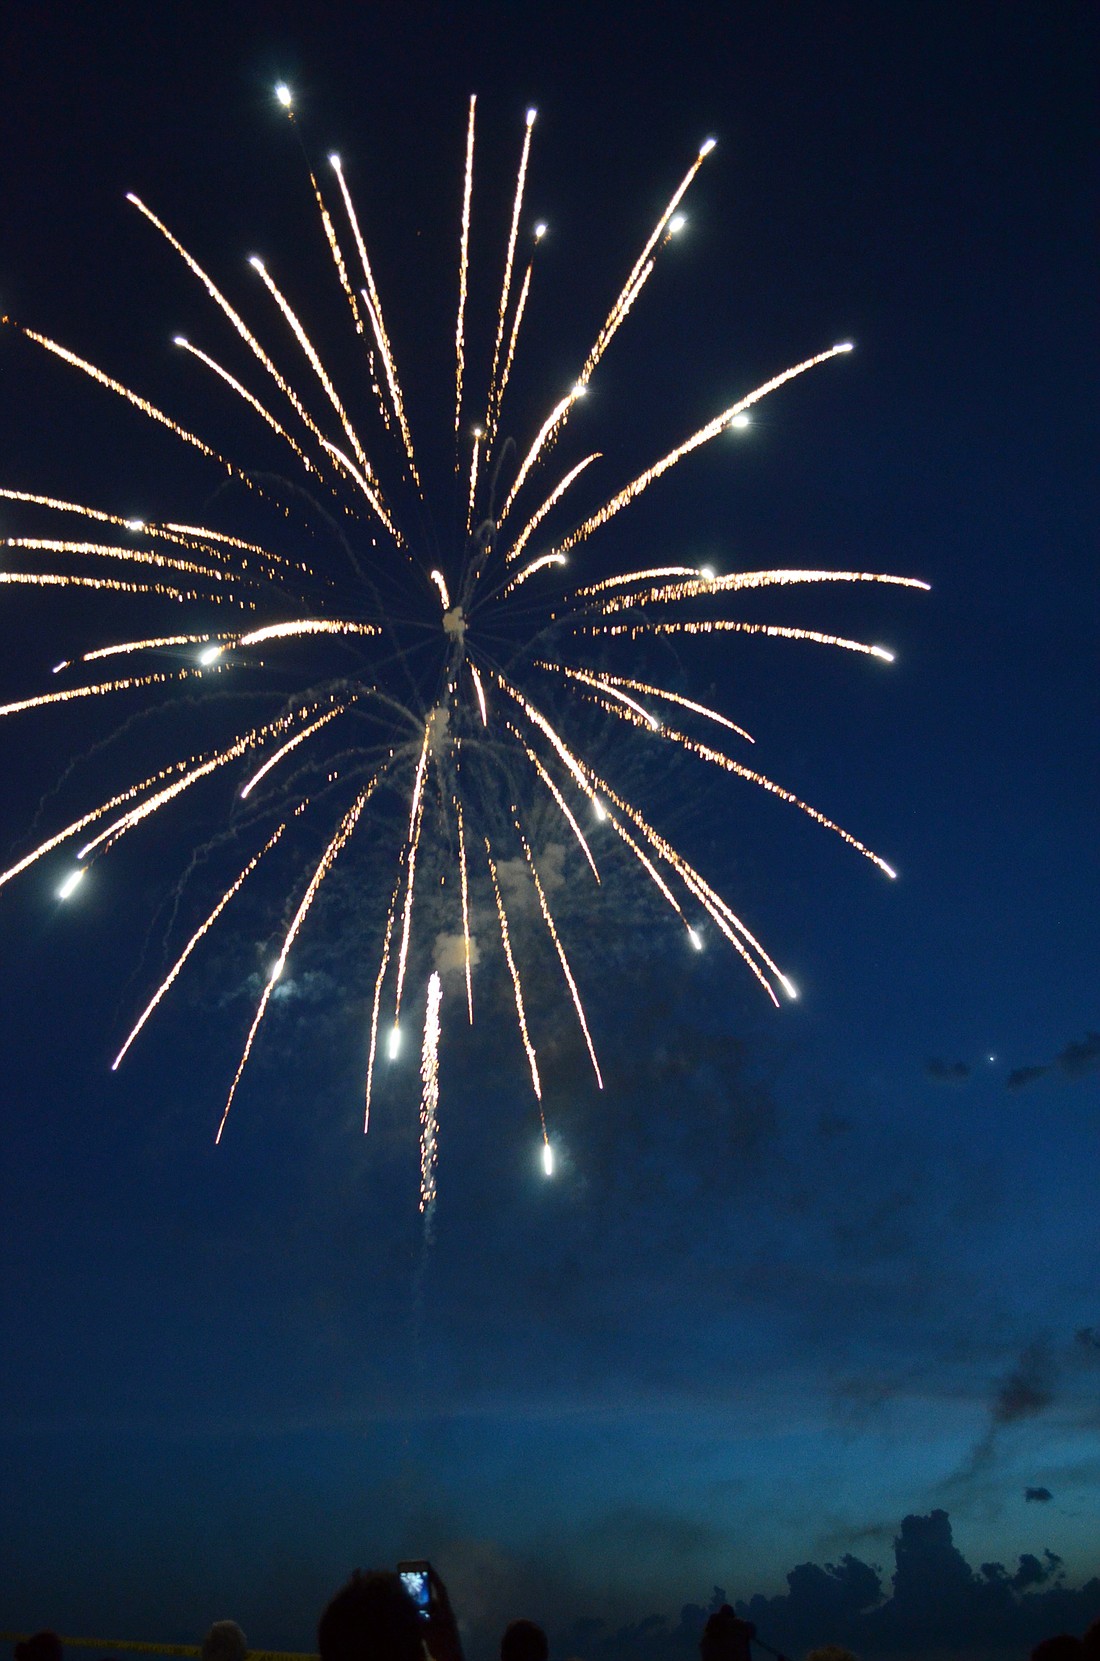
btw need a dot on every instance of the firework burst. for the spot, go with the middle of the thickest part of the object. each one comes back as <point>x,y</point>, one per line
<point>459,686</point>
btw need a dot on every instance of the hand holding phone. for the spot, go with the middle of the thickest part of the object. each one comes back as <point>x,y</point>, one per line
<point>429,1596</point>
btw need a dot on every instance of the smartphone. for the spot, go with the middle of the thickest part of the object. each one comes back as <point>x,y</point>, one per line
<point>415,1579</point>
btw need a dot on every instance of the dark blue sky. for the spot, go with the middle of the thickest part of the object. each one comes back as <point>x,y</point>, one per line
<point>797,1275</point>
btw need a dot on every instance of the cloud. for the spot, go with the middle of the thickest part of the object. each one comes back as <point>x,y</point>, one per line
<point>1027,1389</point>
<point>1019,1076</point>
<point>1039,1495</point>
<point>1079,1059</point>
<point>1089,1337</point>
<point>1023,1393</point>
<point>946,1072</point>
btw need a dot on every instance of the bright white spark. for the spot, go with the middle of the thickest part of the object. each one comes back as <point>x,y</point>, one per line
<point>441,583</point>
<point>71,882</point>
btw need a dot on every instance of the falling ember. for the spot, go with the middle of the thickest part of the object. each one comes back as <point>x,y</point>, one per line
<point>204,928</point>
<point>551,501</point>
<point>633,490</point>
<point>480,691</point>
<point>285,749</point>
<point>465,887</point>
<point>371,668</point>
<point>560,949</point>
<point>395,1038</point>
<point>374,311</point>
<point>464,265</point>
<point>502,311</point>
<point>343,832</point>
<point>521,1015</point>
<point>429,1093</point>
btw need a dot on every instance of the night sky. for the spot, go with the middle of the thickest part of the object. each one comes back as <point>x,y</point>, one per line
<point>798,1275</point>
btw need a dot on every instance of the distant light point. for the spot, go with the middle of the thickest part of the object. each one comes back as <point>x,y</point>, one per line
<point>282,93</point>
<point>707,146</point>
<point>677,223</point>
<point>741,419</point>
<point>548,1159</point>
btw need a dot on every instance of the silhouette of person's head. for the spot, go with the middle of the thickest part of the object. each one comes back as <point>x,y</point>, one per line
<point>40,1646</point>
<point>1063,1647</point>
<point>1090,1643</point>
<point>372,1618</point>
<point>224,1642</point>
<point>725,1637</point>
<point>524,1641</point>
<point>831,1652</point>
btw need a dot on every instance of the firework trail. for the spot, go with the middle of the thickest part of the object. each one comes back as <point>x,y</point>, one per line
<point>429,1094</point>
<point>426,687</point>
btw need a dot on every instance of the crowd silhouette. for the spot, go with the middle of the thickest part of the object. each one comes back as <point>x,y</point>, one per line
<point>373,1617</point>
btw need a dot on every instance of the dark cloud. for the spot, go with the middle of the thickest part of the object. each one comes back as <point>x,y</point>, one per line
<point>946,1072</point>
<point>1019,1076</point>
<point>1080,1059</point>
<point>1027,1389</point>
<point>1039,1495</point>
